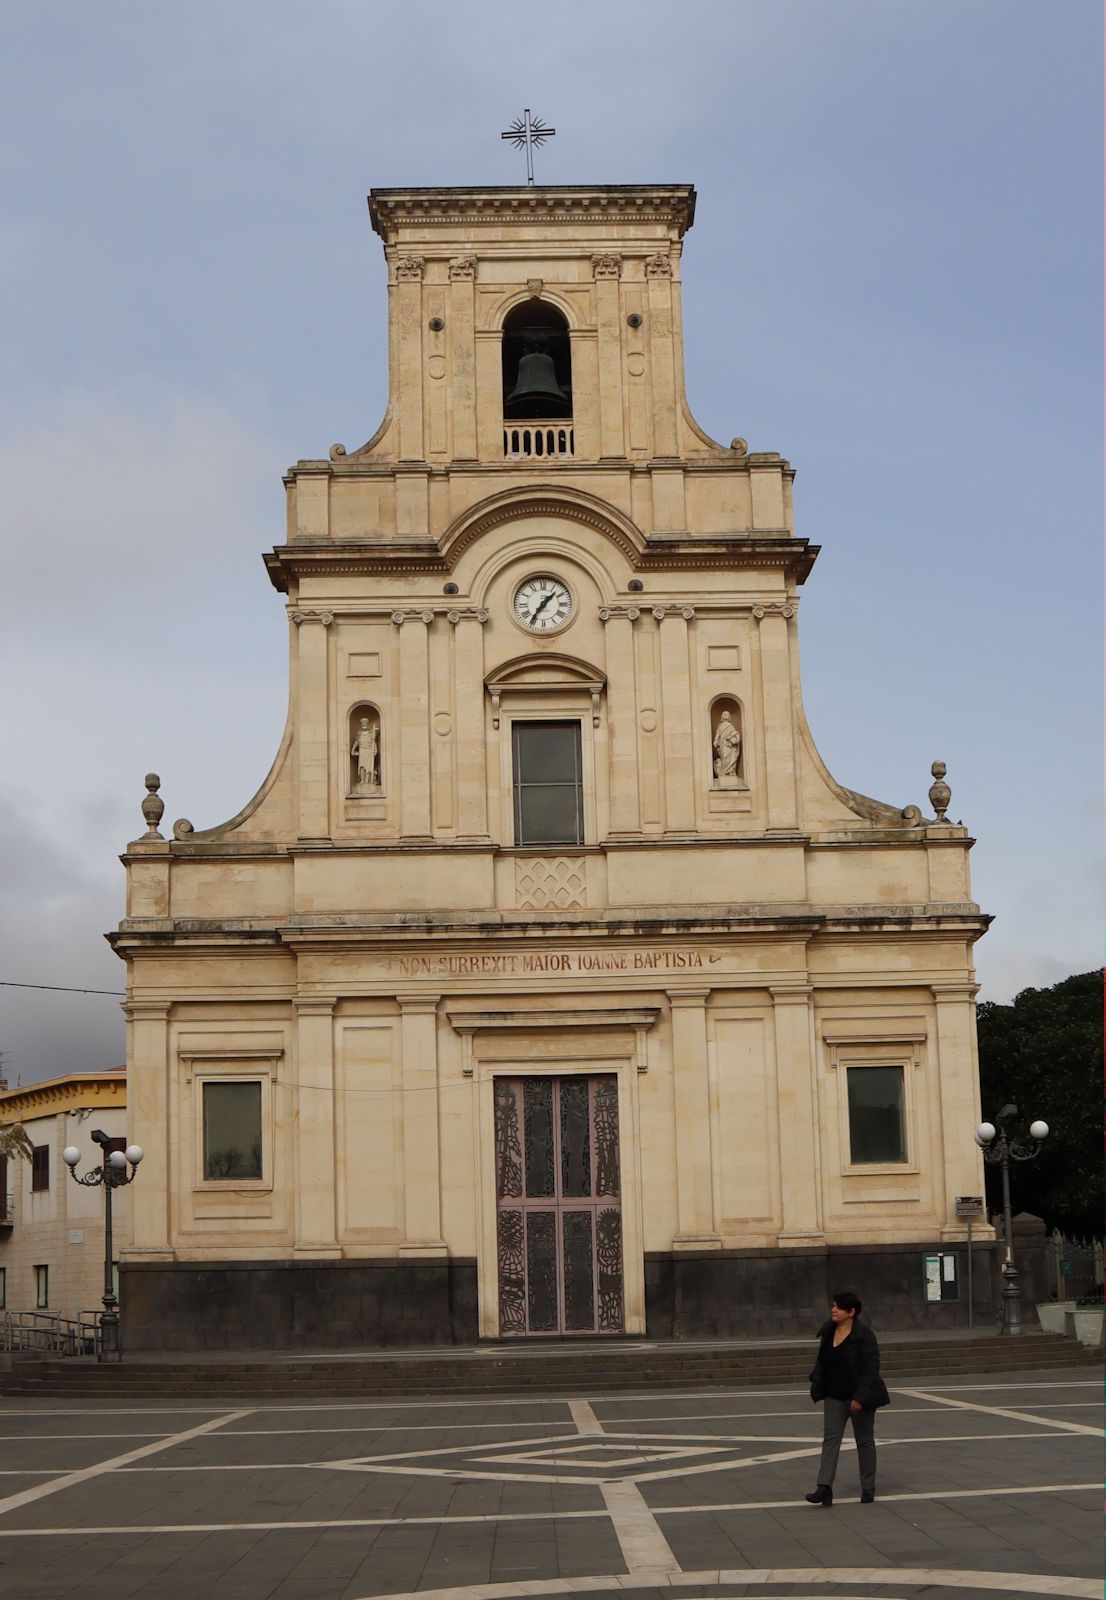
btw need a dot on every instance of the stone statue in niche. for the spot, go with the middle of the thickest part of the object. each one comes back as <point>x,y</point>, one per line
<point>726,751</point>
<point>365,753</point>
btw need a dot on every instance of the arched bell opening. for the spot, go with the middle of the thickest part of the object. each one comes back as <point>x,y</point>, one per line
<point>537,364</point>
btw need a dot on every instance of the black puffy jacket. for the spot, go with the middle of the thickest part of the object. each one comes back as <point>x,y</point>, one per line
<point>862,1351</point>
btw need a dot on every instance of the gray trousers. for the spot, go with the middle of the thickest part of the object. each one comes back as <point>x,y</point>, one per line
<point>835,1415</point>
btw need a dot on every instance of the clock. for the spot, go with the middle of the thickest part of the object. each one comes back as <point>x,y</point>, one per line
<point>542,604</point>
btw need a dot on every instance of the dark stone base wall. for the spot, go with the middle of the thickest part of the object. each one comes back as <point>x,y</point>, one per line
<point>296,1305</point>
<point>734,1294</point>
<point>344,1305</point>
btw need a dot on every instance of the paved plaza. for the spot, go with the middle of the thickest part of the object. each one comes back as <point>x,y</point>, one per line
<point>986,1487</point>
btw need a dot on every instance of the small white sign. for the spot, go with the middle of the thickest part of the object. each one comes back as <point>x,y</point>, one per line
<point>77,1236</point>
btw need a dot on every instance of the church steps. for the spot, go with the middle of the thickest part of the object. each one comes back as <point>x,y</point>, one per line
<point>530,1373</point>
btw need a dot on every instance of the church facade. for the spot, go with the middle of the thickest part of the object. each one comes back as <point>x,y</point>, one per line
<point>549,984</point>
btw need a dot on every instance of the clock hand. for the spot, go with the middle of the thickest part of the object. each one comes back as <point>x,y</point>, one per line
<point>541,605</point>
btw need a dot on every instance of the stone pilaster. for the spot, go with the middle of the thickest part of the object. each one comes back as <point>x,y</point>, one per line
<point>662,366</point>
<point>679,770</point>
<point>778,720</point>
<point>148,1124</point>
<point>956,1072</point>
<point>691,1105</point>
<point>612,433</point>
<point>312,724</point>
<point>408,292</point>
<point>314,1149</point>
<point>462,339</point>
<point>800,1155</point>
<point>622,719</point>
<point>422,1183</point>
<point>414,726</point>
<point>468,673</point>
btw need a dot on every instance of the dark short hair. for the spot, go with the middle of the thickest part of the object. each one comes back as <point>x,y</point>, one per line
<point>847,1301</point>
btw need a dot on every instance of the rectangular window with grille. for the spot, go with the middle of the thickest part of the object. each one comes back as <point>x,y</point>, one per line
<point>232,1130</point>
<point>877,1126</point>
<point>40,1167</point>
<point>548,783</point>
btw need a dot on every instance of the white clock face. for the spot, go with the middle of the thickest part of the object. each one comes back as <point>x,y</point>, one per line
<point>542,604</point>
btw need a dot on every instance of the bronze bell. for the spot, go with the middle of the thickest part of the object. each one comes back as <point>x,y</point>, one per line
<point>537,382</point>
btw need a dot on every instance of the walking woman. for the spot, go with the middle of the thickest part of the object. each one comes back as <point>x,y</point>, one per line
<point>846,1377</point>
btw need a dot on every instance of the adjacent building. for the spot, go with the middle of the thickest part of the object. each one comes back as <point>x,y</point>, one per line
<point>52,1229</point>
<point>549,984</point>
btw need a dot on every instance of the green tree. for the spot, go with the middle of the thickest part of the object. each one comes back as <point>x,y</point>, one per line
<point>1044,1054</point>
<point>14,1142</point>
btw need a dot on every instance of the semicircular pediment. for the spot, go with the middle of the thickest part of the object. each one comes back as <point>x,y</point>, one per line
<point>543,500</point>
<point>546,671</point>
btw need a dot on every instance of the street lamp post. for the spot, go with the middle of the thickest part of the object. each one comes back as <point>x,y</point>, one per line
<point>1000,1146</point>
<point>112,1174</point>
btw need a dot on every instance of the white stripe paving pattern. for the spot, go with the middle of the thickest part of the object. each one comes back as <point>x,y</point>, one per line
<point>611,1454</point>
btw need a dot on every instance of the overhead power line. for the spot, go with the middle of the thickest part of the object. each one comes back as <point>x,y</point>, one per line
<point>60,988</point>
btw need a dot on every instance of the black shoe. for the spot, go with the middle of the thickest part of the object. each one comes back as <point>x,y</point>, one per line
<point>866,1499</point>
<point>822,1496</point>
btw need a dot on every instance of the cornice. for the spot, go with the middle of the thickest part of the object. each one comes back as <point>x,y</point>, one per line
<point>919,923</point>
<point>54,1094</point>
<point>672,205</point>
<point>666,553</point>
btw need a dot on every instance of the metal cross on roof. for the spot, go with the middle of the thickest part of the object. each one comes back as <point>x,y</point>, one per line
<point>528,133</point>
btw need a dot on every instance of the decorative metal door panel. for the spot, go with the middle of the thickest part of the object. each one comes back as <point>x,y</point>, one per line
<point>559,1205</point>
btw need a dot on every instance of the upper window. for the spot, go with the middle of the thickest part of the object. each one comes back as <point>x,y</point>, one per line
<point>232,1130</point>
<point>549,791</point>
<point>537,362</point>
<point>40,1167</point>
<point>877,1126</point>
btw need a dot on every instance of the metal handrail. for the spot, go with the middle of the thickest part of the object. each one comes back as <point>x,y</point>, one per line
<point>49,1333</point>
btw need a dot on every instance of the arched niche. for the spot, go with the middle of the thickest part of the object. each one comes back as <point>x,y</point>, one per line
<point>727,743</point>
<point>537,363</point>
<point>366,761</point>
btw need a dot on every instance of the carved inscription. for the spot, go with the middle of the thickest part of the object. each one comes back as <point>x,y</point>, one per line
<point>520,963</point>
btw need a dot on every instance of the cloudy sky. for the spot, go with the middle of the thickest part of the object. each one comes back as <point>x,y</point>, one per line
<point>894,280</point>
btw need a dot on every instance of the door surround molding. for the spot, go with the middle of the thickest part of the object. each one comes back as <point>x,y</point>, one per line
<point>578,1058</point>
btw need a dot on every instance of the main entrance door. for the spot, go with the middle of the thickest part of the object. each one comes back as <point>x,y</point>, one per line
<point>559,1205</point>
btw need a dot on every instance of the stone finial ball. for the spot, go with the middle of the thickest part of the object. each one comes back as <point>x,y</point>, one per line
<point>152,781</point>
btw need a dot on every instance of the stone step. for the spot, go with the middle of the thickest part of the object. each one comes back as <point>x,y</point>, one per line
<point>352,1383</point>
